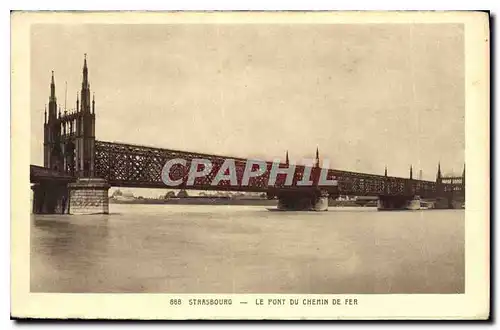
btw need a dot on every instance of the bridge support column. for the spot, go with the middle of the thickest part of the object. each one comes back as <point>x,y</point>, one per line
<point>295,201</point>
<point>89,196</point>
<point>448,202</point>
<point>320,202</point>
<point>392,203</point>
<point>50,198</point>
<point>443,203</point>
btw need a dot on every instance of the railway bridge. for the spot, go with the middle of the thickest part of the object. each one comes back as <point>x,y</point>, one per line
<point>79,170</point>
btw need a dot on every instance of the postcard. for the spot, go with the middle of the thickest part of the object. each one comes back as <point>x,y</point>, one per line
<point>250,165</point>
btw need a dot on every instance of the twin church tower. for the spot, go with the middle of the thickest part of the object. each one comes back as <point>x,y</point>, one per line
<point>69,136</point>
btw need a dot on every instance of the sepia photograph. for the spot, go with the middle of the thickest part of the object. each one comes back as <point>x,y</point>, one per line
<point>257,160</point>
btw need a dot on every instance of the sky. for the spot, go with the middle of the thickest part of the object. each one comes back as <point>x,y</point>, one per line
<point>367,95</point>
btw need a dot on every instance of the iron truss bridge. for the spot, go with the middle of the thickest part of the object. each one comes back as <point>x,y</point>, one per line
<point>127,165</point>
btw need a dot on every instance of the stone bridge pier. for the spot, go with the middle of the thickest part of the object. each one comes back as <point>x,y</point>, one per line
<point>85,196</point>
<point>89,196</point>
<point>50,198</point>
<point>449,202</point>
<point>316,200</point>
<point>389,203</point>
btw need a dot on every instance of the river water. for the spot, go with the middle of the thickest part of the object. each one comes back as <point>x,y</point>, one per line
<point>247,249</point>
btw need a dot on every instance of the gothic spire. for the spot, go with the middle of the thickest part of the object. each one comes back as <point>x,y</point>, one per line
<point>317,156</point>
<point>52,99</point>
<point>85,71</point>
<point>439,171</point>
<point>93,102</point>
<point>65,94</point>
<point>286,158</point>
<point>385,171</point>
<point>77,103</point>
<point>45,114</point>
<point>411,172</point>
<point>85,93</point>
<point>52,88</point>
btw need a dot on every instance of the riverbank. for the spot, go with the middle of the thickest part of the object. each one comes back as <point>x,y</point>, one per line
<point>226,201</point>
<point>196,201</point>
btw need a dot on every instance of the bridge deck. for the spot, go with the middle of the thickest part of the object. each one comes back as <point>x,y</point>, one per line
<point>42,174</point>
